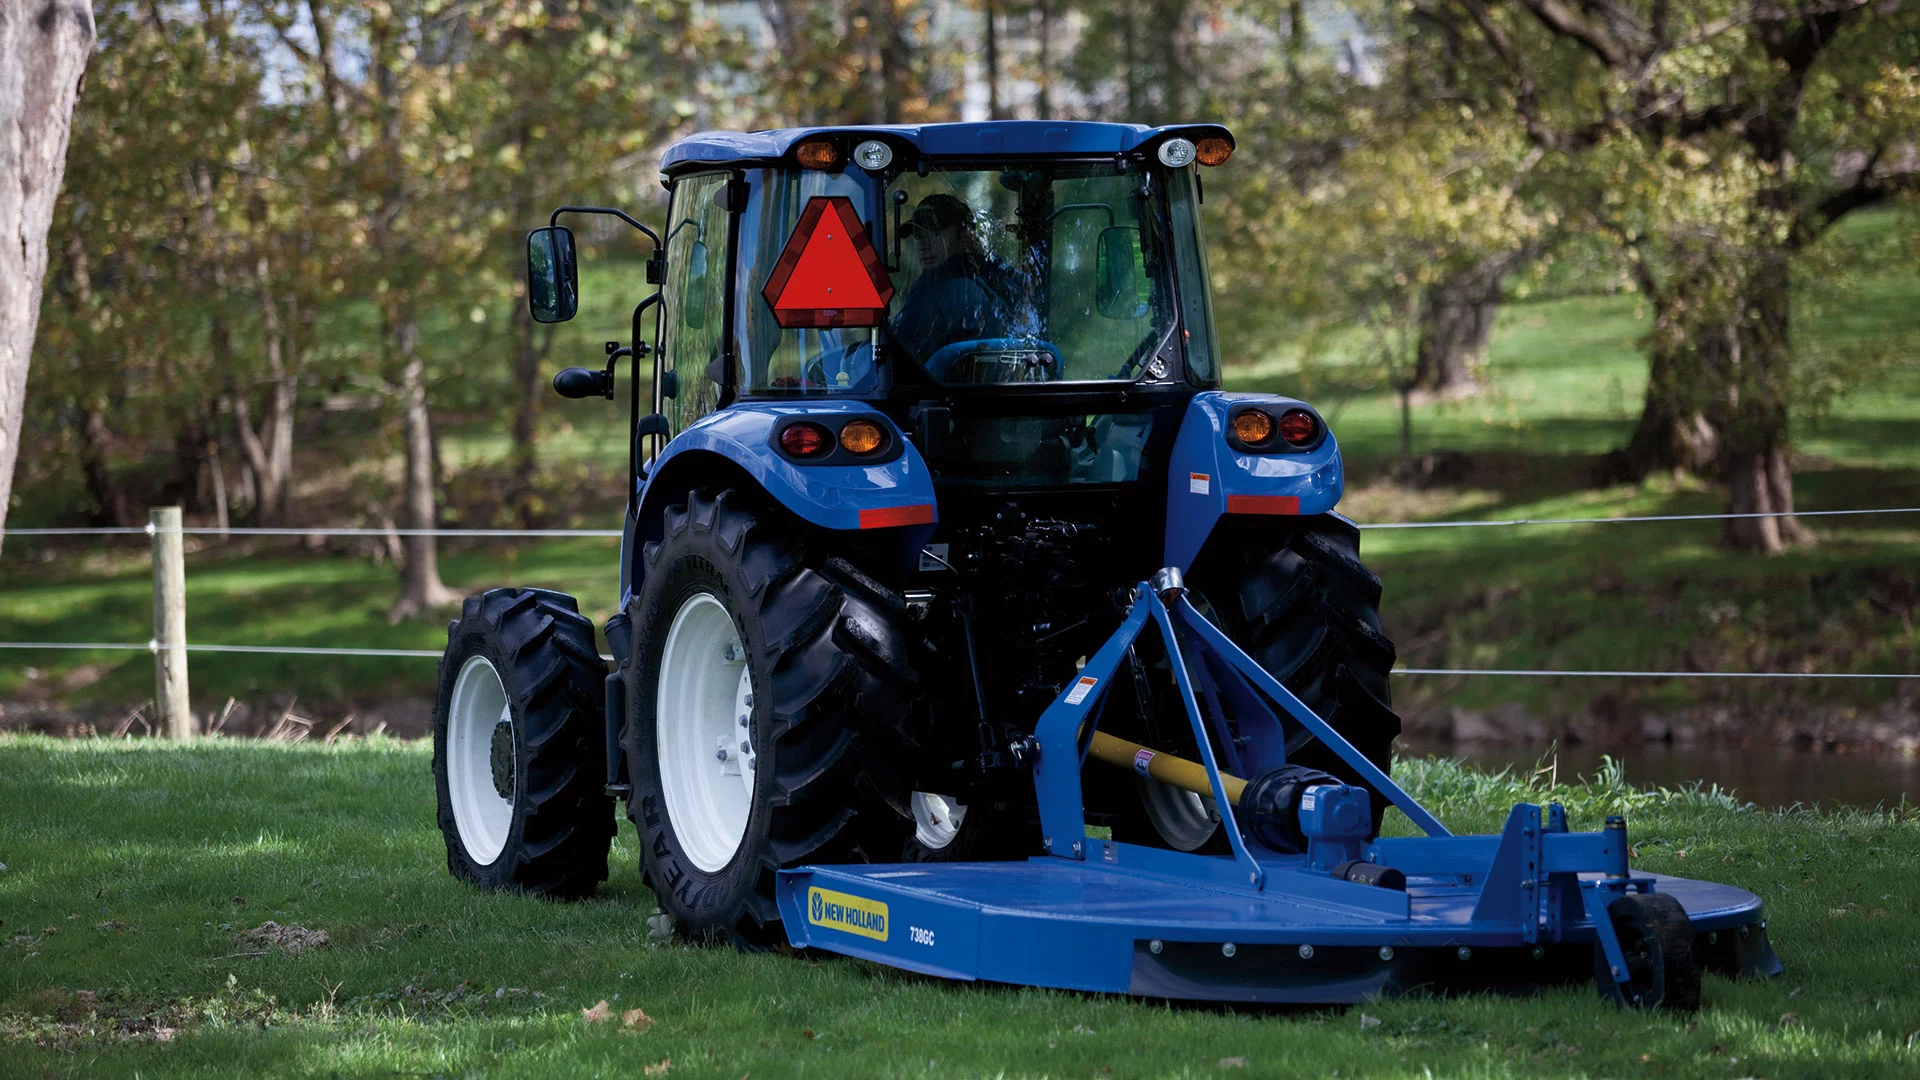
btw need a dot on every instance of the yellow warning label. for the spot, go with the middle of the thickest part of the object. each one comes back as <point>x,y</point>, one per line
<point>853,914</point>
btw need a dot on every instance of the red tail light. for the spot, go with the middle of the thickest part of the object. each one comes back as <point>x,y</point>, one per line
<point>1299,427</point>
<point>805,440</point>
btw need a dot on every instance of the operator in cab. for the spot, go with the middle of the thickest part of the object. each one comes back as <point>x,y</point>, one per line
<point>961,294</point>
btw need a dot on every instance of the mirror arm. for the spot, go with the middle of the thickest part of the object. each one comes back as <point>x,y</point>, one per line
<point>554,219</point>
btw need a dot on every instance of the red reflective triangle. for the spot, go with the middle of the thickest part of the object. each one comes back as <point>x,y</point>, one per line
<point>829,274</point>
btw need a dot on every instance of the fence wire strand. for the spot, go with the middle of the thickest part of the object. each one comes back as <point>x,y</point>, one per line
<point>314,650</point>
<point>211,530</point>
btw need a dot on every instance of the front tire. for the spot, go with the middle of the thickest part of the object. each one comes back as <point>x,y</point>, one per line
<point>518,754</point>
<point>766,692</point>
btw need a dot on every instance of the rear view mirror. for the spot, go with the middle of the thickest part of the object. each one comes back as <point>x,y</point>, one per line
<point>1120,273</point>
<point>553,279</point>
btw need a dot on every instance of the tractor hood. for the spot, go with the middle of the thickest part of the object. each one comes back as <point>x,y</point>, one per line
<point>994,139</point>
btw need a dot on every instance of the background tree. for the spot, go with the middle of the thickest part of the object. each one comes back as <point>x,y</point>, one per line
<point>43,51</point>
<point>1713,142</point>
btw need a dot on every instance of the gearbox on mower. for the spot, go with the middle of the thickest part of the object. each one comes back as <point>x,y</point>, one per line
<point>935,435</point>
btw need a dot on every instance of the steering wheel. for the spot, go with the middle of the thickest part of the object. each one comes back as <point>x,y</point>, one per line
<point>1033,353</point>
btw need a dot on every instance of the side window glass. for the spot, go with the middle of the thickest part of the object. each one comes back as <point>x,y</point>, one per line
<point>696,284</point>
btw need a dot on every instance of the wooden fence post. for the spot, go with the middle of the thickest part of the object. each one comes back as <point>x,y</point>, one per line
<point>175,714</point>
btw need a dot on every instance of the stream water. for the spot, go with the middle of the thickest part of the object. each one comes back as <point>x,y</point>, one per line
<point>1769,776</point>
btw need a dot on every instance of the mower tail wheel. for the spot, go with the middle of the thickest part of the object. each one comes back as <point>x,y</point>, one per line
<point>1658,942</point>
<point>518,749</point>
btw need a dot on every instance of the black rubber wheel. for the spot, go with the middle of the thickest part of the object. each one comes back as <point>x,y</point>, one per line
<point>1293,594</point>
<point>1658,942</point>
<point>519,746</point>
<point>828,686</point>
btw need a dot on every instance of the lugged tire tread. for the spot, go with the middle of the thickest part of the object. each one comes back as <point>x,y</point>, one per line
<point>830,797</point>
<point>556,678</point>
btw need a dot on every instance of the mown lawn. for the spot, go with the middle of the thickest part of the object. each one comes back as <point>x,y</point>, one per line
<point>132,871</point>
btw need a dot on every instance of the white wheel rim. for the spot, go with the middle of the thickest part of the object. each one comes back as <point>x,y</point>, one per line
<point>936,819</point>
<point>479,706</point>
<point>703,731</point>
<point>1182,818</point>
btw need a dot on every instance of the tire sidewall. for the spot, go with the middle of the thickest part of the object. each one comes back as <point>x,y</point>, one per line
<point>465,640</point>
<point>690,564</point>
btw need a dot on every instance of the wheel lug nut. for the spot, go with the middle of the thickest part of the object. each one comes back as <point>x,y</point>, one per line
<point>746,747</point>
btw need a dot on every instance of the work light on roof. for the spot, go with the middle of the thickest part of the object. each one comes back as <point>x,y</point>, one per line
<point>873,155</point>
<point>1176,153</point>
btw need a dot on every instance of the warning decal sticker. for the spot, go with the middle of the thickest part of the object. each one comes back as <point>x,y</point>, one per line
<point>1143,761</point>
<point>1080,690</point>
<point>1199,483</point>
<point>829,273</point>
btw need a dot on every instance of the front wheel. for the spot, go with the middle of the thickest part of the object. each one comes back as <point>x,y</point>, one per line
<point>518,750</point>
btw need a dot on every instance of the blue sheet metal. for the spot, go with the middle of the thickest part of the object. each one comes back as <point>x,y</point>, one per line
<point>1082,925</point>
<point>981,139</point>
<point>1205,471</point>
<point>831,496</point>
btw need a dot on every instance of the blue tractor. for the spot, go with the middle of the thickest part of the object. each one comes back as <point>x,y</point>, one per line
<point>936,434</point>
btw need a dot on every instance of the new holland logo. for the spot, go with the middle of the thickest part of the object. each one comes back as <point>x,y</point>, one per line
<point>852,914</point>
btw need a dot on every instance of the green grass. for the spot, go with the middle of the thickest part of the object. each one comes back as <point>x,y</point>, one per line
<point>131,869</point>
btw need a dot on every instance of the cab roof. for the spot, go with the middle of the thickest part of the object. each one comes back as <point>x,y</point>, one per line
<point>993,138</point>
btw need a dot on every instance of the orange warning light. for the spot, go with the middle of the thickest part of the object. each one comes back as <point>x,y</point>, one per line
<point>829,274</point>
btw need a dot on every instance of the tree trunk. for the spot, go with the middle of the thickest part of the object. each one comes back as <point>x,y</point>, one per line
<point>1456,323</point>
<point>107,491</point>
<point>421,589</point>
<point>43,53</point>
<point>269,450</point>
<point>990,18</point>
<point>526,381</point>
<point>1043,101</point>
<point>1673,433</point>
<point>1753,362</point>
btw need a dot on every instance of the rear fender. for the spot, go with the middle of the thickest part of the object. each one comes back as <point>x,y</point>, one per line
<point>1209,477</point>
<point>733,448</point>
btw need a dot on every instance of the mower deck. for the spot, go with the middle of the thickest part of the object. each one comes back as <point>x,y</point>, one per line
<point>1348,919</point>
<point>1106,926</point>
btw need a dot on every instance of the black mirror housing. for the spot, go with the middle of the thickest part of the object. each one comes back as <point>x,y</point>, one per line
<point>579,382</point>
<point>553,274</point>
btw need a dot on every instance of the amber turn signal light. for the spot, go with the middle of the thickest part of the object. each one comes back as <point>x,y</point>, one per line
<point>1253,427</point>
<point>862,437</point>
<point>1212,150</point>
<point>1299,427</point>
<point>805,440</point>
<point>817,154</point>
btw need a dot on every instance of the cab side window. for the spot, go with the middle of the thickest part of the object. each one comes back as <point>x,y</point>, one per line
<point>694,323</point>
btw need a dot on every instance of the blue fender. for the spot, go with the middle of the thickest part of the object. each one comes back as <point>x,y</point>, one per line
<point>896,494</point>
<point>1207,476</point>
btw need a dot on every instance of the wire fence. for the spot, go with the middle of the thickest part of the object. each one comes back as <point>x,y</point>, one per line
<point>314,650</point>
<point>304,650</point>
<point>289,530</point>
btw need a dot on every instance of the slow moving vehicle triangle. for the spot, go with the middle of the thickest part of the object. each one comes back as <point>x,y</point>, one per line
<point>829,273</point>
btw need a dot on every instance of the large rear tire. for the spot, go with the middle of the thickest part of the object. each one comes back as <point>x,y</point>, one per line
<point>766,691</point>
<point>518,750</point>
<point>1297,599</point>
